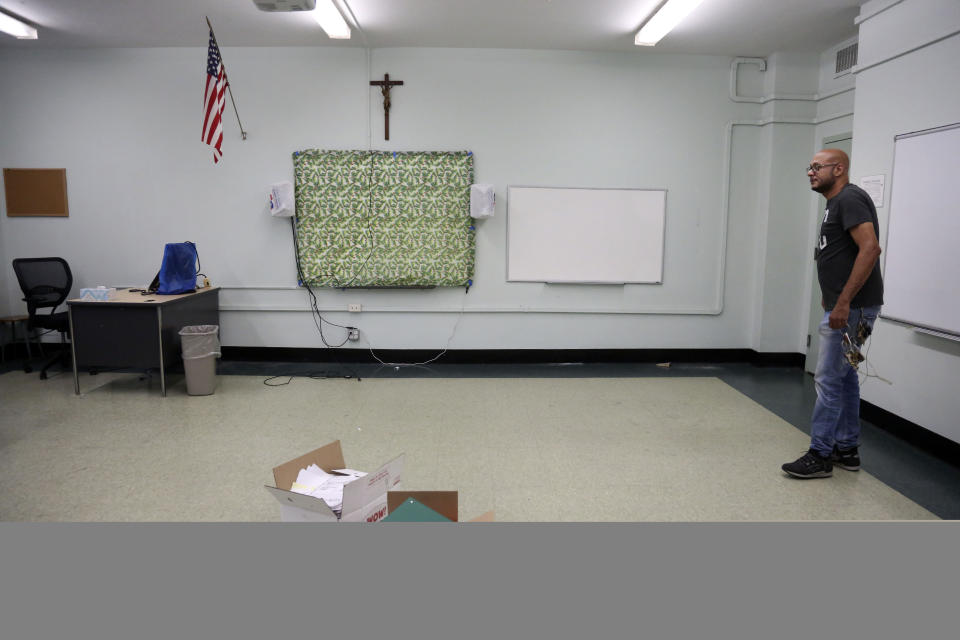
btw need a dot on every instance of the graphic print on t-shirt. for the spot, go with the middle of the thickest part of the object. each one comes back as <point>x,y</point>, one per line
<point>823,238</point>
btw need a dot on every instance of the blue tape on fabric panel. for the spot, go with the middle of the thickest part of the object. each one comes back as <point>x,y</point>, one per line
<point>472,228</point>
<point>394,155</point>
<point>469,153</point>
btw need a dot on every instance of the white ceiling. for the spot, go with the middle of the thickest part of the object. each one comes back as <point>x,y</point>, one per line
<point>721,27</point>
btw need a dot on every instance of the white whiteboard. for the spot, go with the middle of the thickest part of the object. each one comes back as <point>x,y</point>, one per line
<point>921,271</point>
<point>604,236</point>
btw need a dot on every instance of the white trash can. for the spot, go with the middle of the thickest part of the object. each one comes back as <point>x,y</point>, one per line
<point>200,346</point>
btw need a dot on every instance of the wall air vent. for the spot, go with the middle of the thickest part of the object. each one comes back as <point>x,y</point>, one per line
<point>846,58</point>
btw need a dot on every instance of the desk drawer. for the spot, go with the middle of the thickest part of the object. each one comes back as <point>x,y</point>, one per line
<point>116,337</point>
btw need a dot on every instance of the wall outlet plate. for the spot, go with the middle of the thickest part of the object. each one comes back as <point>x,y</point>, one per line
<point>354,334</point>
<point>354,308</point>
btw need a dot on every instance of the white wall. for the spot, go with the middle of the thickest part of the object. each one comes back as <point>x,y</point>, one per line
<point>125,123</point>
<point>908,79</point>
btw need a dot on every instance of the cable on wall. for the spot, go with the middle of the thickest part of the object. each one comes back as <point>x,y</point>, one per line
<point>433,359</point>
<point>315,310</point>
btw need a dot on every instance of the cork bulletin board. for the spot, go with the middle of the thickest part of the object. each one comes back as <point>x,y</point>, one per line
<point>35,192</point>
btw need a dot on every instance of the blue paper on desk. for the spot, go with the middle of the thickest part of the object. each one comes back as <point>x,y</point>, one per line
<point>178,271</point>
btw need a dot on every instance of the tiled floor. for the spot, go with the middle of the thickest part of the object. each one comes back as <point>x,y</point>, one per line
<point>590,441</point>
<point>788,392</point>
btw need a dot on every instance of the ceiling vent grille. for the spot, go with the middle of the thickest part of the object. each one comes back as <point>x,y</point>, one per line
<point>285,5</point>
<point>846,58</point>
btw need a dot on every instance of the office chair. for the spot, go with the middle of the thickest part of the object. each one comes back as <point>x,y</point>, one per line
<point>45,283</point>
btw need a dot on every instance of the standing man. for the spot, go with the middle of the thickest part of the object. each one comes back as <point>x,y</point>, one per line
<point>849,274</point>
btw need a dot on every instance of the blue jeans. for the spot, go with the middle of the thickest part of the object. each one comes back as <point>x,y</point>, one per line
<point>836,415</point>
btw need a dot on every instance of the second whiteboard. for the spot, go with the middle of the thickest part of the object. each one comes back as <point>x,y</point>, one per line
<point>590,236</point>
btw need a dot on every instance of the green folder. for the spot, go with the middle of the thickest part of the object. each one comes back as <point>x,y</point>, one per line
<point>413,511</point>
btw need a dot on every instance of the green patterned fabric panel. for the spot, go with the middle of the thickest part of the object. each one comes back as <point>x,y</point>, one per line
<point>384,219</point>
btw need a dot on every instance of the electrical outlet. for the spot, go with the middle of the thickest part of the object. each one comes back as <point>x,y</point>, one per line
<point>354,308</point>
<point>354,334</point>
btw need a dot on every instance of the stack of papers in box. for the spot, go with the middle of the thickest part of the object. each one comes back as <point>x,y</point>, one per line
<point>364,497</point>
<point>314,481</point>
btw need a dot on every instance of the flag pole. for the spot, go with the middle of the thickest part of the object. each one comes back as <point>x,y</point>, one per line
<point>226,77</point>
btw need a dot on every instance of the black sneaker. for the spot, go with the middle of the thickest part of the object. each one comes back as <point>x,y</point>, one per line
<point>809,465</point>
<point>848,459</point>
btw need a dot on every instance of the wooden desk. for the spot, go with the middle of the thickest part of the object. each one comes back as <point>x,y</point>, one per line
<point>136,331</point>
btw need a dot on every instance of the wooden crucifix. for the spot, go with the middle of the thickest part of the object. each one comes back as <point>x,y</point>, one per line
<point>385,85</point>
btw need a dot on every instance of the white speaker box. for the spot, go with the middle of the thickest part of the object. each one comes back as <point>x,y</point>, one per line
<point>483,200</point>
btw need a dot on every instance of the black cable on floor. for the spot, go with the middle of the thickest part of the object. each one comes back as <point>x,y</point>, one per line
<point>318,375</point>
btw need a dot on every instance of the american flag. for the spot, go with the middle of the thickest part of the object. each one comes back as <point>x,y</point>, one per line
<point>213,100</point>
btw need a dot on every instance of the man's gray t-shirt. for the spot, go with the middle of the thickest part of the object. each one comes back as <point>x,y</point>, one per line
<point>836,250</point>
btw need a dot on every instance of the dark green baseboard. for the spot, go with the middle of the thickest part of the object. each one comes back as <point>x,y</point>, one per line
<point>513,356</point>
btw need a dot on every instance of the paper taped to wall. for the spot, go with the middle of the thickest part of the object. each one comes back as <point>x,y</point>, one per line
<point>483,200</point>
<point>281,200</point>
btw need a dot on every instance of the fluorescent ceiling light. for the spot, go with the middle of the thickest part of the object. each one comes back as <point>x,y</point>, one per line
<point>16,28</point>
<point>669,16</point>
<point>328,17</point>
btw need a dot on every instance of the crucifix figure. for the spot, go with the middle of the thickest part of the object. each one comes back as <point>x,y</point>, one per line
<point>385,85</point>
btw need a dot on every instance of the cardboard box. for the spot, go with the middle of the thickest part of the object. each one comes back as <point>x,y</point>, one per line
<point>364,499</point>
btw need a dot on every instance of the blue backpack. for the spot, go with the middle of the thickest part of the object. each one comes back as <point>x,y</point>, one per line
<point>179,269</point>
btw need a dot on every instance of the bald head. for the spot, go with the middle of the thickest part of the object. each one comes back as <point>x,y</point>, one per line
<point>830,175</point>
<point>838,156</point>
